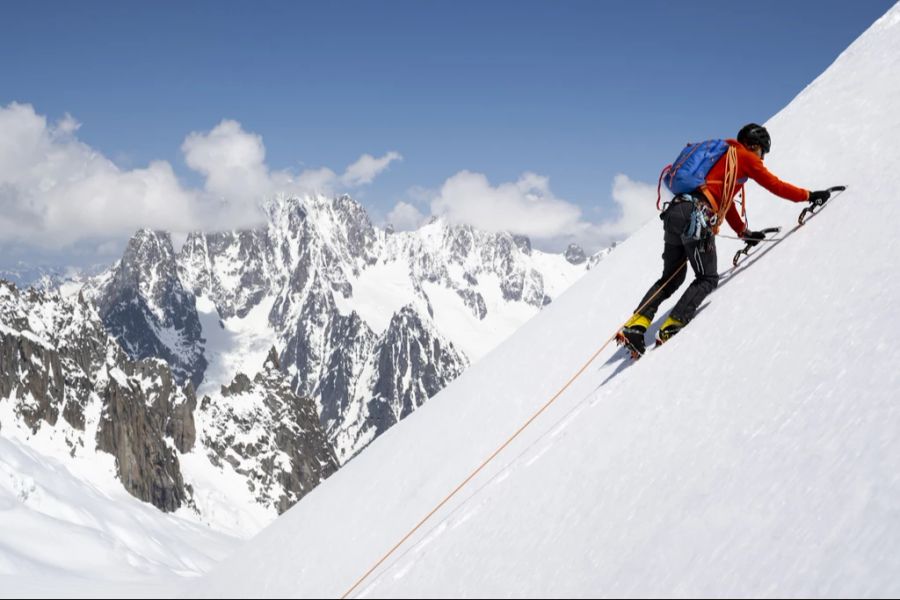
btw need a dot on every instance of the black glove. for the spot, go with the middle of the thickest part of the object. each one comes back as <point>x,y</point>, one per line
<point>819,198</point>
<point>752,237</point>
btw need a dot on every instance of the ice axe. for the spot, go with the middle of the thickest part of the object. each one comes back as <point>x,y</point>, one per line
<point>814,208</point>
<point>745,251</point>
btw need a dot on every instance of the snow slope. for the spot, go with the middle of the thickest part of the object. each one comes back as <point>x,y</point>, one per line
<point>755,455</point>
<point>64,536</point>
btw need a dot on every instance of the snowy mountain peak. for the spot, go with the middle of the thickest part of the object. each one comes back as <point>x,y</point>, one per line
<point>523,243</point>
<point>273,363</point>
<point>148,265</point>
<point>145,307</point>
<point>354,329</point>
<point>575,254</point>
<point>266,435</point>
<point>322,283</point>
<point>59,361</point>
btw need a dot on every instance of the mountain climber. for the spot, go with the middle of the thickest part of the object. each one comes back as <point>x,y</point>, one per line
<point>691,221</point>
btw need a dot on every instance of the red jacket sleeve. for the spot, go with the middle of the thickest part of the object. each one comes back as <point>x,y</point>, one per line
<point>757,171</point>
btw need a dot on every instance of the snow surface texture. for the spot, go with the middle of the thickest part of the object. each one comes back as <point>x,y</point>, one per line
<point>755,455</point>
<point>61,535</point>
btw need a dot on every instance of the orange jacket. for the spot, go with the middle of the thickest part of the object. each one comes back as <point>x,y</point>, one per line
<point>748,165</point>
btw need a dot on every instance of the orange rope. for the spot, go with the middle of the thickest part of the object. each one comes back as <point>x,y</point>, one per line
<point>493,455</point>
<point>728,186</point>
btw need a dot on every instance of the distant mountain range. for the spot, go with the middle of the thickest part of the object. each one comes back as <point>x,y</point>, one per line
<point>268,356</point>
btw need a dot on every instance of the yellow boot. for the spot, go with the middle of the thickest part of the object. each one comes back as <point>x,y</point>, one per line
<point>669,328</point>
<point>632,334</point>
<point>637,320</point>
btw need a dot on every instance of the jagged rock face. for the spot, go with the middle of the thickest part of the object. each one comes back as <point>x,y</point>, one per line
<point>147,310</point>
<point>326,354</point>
<point>343,372</point>
<point>350,341</point>
<point>358,235</point>
<point>133,428</point>
<point>523,243</point>
<point>306,262</point>
<point>40,386</point>
<point>474,301</point>
<point>49,351</point>
<point>575,254</point>
<point>180,426</point>
<point>233,269</point>
<point>595,259</point>
<point>473,253</point>
<point>329,355</point>
<point>269,435</point>
<point>57,360</point>
<point>31,373</point>
<point>412,364</point>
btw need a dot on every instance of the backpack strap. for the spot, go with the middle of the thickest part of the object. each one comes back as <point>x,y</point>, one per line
<point>659,185</point>
<point>670,170</point>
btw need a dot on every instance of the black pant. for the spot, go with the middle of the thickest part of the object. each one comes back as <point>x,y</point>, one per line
<point>678,248</point>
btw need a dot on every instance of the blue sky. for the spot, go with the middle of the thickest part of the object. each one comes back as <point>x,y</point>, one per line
<point>576,92</point>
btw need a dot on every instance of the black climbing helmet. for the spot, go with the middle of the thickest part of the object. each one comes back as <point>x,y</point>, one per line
<point>755,135</point>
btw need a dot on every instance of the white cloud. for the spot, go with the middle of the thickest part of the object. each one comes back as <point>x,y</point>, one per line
<point>421,195</point>
<point>636,202</point>
<point>232,160</point>
<point>233,163</point>
<point>526,207</point>
<point>405,217</point>
<point>55,190</point>
<point>366,168</point>
<point>111,248</point>
<point>67,125</point>
<point>529,207</point>
<point>313,180</point>
<point>326,181</point>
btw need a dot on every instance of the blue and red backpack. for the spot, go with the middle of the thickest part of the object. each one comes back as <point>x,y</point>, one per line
<point>690,169</point>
